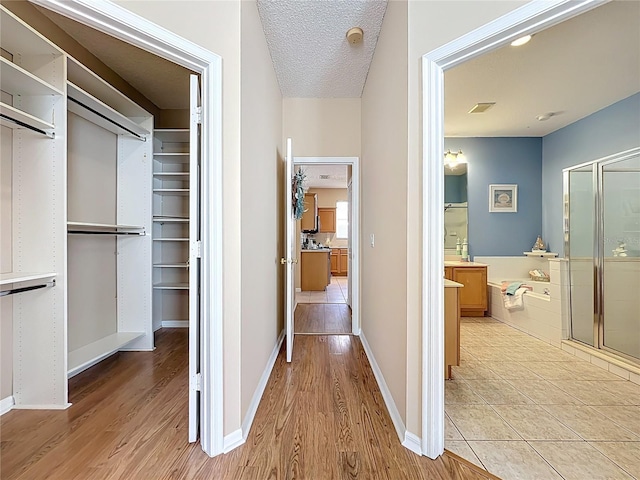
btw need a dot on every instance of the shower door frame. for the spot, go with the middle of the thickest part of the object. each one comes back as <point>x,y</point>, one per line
<point>597,171</point>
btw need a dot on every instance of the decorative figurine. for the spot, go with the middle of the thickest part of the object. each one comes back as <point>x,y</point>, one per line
<point>539,245</point>
<point>620,250</point>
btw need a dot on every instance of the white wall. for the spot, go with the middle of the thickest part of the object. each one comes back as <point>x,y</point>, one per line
<point>323,127</point>
<point>384,207</point>
<point>261,158</point>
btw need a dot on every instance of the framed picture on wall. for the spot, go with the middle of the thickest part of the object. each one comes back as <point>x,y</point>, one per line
<point>503,198</point>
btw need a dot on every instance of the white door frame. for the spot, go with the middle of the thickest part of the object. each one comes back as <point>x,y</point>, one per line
<point>123,24</point>
<point>530,18</point>
<point>355,225</point>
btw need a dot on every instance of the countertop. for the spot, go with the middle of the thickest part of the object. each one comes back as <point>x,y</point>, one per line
<point>321,250</point>
<point>451,283</point>
<point>452,263</point>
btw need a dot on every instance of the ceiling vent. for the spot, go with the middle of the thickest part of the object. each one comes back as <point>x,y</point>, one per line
<point>482,107</point>
<point>324,177</point>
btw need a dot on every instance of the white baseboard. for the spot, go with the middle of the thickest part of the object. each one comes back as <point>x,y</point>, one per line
<point>233,440</point>
<point>386,393</point>
<point>42,407</point>
<point>6,404</point>
<point>175,324</point>
<point>262,384</point>
<point>238,437</point>
<point>412,442</point>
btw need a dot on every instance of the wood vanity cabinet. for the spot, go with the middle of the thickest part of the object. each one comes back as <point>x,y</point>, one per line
<point>327,219</point>
<point>339,261</point>
<point>310,215</point>
<point>473,297</point>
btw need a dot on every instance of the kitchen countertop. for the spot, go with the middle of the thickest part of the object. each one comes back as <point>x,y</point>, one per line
<point>325,250</point>
<point>451,283</point>
<point>452,263</point>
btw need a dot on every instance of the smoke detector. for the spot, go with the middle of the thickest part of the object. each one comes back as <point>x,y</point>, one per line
<point>354,35</point>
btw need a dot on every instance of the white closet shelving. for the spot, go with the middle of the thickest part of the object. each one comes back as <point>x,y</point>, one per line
<point>33,250</point>
<point>109,211</point>
<point>171,178</point>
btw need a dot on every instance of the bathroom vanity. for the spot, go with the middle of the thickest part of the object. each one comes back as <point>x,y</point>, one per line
<point>451,326</point>
<point>473,275</point>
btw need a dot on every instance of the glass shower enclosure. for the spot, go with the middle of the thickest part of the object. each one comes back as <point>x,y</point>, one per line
<point>602,244</point>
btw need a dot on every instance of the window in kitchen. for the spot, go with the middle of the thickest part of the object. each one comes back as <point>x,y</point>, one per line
<point>342,219</point>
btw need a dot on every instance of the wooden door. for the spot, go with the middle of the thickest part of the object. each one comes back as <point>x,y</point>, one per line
<point>195,377</point>
<point>289,259</point>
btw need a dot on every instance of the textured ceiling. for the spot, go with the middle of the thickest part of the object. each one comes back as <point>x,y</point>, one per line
<point>337,176</point>
<point>308,44</point>
<point>572,69</point>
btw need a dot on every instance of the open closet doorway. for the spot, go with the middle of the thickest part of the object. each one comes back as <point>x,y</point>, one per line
<point>326,277</point>
<point>177,218</point>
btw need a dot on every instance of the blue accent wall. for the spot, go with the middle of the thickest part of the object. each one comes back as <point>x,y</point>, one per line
<point>611,130</point>
<point>508,160</point>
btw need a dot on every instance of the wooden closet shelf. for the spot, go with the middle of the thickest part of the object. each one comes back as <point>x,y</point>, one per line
<point>171,157</point>
<point>95,111</point>
<point>171,219</point>
<point>15,118</point>
<point>170,239</point>
<point>15,277</point>
<point>172,135</point>
<point>87,356</point>
<point>171,286</point>
<point>16,80</point>
<point>171,191</point>
<point>171,265</point>
<point>166,175</point>
<point>19,38</point>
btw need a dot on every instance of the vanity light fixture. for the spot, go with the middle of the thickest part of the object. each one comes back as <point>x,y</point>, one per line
<point>452,160</point>
<point>521,41</point>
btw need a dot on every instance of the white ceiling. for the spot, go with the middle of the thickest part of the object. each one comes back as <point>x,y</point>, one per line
<point>337,176</point>
<point>572,69</point>
<point>308,44</point>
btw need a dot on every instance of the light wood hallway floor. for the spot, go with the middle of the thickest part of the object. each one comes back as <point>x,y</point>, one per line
<point>321,417</point>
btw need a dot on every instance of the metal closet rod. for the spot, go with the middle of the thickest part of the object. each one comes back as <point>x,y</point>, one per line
<point>89,232</point>
<point>26,125</point>
<point>13,291</point>
<point>107,119</point>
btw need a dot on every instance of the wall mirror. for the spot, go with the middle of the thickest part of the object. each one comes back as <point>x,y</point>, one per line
<point>455,205</point>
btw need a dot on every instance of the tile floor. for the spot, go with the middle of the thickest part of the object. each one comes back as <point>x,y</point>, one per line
<point>523,409</point>
<point>336,292</point>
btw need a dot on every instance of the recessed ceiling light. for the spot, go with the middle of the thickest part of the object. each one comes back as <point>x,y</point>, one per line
<point>482,107</point>
<point>521,41</point>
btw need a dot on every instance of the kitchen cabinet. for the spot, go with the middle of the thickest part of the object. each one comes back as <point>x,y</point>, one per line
<point>327,220</point>
<point>315,270</point>
<point>310,216</point>
<point>339,261</point>
<point>473,297</point>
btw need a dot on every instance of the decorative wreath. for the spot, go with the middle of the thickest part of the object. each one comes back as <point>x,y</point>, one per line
<point>297,188</point>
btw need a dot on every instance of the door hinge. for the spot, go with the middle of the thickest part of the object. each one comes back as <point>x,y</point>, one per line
<point>198,381</point>
<point>198,114</point>
<point>197,249</point>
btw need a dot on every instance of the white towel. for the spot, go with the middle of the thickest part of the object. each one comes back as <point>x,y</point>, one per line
<point>515,300</point>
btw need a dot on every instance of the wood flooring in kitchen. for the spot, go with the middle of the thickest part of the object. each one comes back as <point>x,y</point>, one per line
<point>321,417</point>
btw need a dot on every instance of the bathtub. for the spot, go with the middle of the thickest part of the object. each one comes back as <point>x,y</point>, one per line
<point>541,315</point>
<point>540,288</point>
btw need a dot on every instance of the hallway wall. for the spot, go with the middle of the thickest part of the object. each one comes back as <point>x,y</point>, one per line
<point>384,201</point>
<point>261,159</point>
